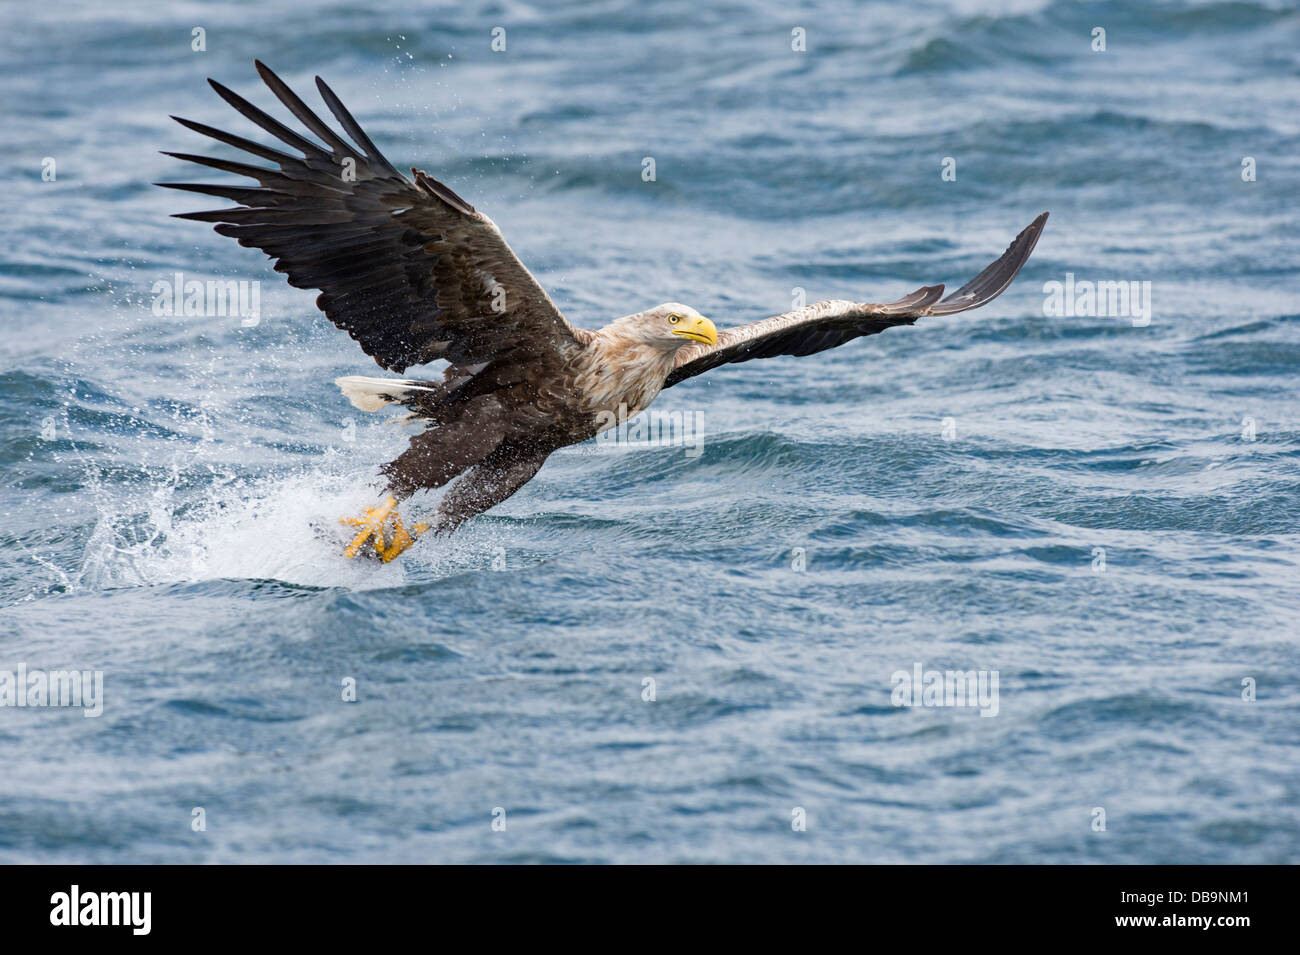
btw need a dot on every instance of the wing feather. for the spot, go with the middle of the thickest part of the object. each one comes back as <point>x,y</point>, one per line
<point>824,325</point>
<point>408,268</point>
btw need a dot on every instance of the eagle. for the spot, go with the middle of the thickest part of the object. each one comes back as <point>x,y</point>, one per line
<point>415,274</point>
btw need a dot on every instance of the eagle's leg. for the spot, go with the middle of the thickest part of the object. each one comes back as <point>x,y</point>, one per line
<point>434,458</point>
<point>483,486</point>
<point>486,485</point>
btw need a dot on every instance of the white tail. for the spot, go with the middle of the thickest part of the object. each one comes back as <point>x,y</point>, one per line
<point>371,394</point>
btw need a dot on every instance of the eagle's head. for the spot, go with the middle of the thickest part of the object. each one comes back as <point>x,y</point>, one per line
<point>672,325</point>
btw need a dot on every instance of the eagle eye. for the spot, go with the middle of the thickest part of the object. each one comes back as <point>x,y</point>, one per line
<point>674,318</point>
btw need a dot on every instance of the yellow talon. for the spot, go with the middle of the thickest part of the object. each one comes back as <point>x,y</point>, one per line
<point>372,524</point>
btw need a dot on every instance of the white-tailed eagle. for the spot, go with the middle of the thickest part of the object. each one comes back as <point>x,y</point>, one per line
<point>415,274</point>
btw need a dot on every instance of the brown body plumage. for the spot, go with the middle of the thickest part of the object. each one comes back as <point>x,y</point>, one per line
<point>415,274</point>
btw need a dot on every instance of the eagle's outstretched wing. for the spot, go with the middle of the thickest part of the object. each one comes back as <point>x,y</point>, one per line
<point>827,324</point>
<point>409,269</point>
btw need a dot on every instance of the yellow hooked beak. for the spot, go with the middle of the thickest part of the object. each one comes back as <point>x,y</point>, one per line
<point>698,330</point>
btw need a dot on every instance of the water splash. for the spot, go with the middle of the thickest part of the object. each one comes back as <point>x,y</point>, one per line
<point>284,529</point>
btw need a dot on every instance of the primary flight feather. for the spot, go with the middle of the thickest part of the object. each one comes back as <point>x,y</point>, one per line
<point>415,274</point>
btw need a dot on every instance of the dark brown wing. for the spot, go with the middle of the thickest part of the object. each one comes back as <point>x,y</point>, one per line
<point>409,269</point>
<point>815,328</point>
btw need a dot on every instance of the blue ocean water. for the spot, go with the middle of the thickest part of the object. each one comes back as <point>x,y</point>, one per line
<point>1101,512</point>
